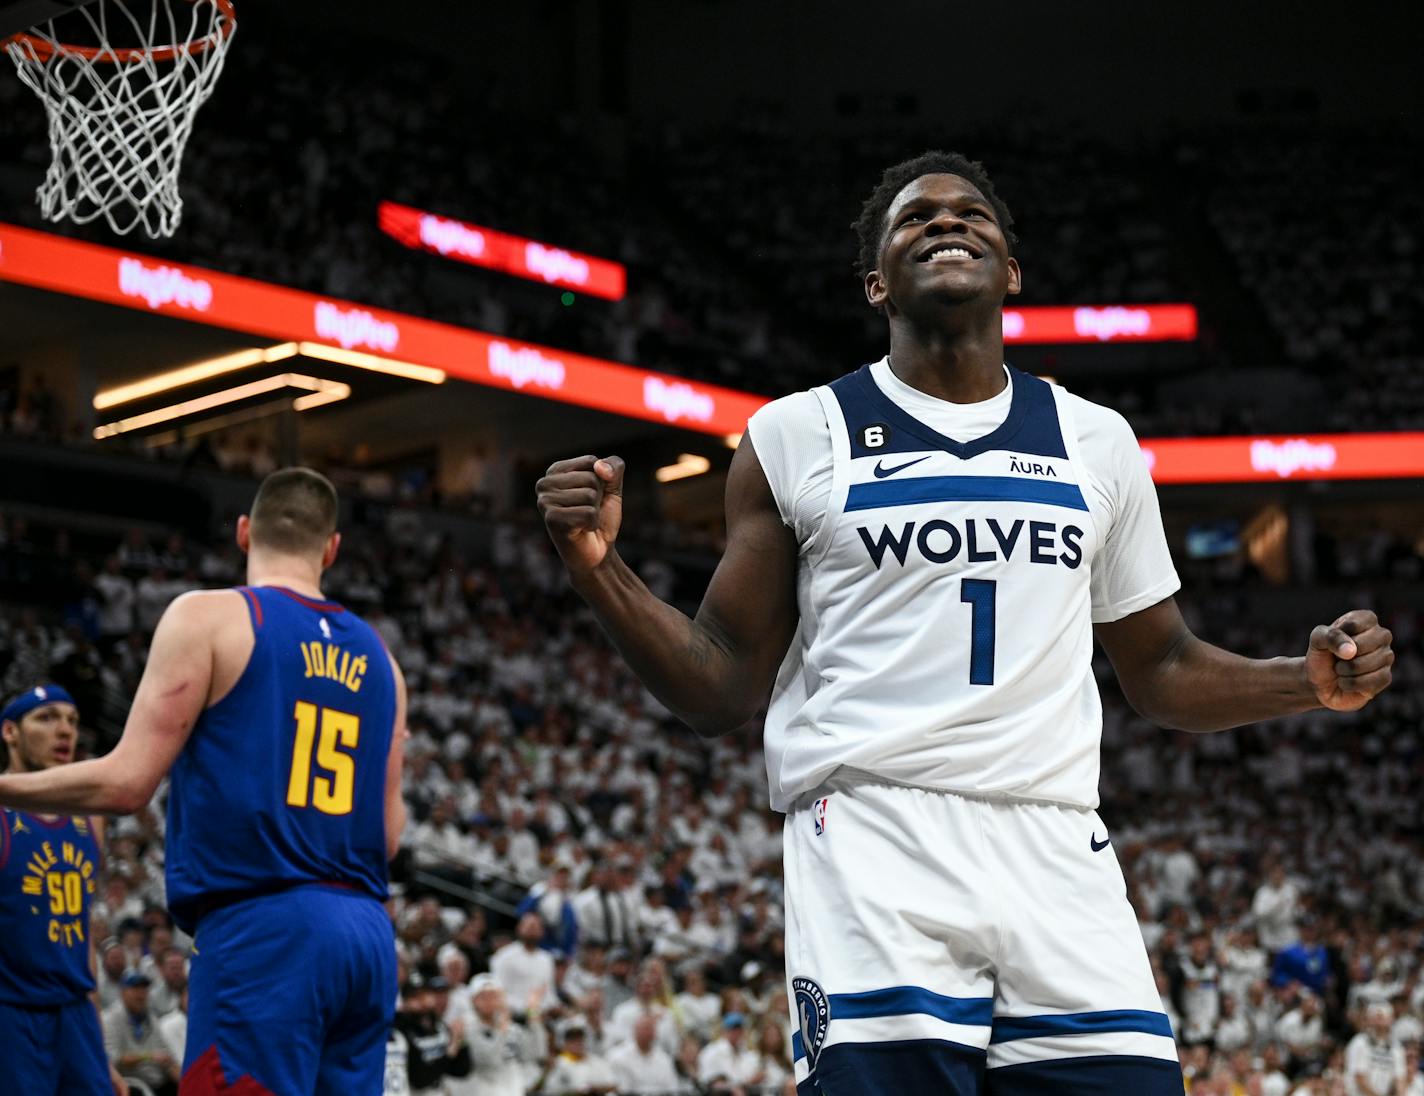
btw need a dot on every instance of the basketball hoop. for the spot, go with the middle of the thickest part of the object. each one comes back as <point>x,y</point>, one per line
<point>121,107</point>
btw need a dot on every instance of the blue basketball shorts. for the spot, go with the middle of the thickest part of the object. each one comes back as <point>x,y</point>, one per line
<point>55,1050</point>
<point>291,994</point>
<point>966,947</point>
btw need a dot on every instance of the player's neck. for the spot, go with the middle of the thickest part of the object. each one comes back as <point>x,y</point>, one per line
<point>961,366</point>
<point>293,572</point>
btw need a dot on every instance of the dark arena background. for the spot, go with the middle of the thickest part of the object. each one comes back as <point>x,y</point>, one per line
<point>428,249</point>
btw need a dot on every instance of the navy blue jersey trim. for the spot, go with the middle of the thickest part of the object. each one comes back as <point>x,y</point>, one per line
<point>904,1001</point>
<point>1089,1075</point>
<point>905,492</point>
<point>1009,1028</point>
<point>908,1067</point>
<point>1031,426</point>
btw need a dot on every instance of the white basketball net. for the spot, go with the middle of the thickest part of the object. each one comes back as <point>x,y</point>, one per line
<point>120,114</point>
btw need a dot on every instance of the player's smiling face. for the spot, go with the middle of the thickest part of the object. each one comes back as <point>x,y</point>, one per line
<point>942,242</point>
<point>45,737</point>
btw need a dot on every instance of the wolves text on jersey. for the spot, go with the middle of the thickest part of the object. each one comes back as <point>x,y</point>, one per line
<point>940,541</point>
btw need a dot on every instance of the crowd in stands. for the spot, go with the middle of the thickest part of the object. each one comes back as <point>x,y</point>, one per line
<point>737,236</point>
<point>589,898</point>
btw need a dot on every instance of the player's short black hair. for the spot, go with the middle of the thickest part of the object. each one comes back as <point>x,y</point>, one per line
<point>870,225</point>
<point>294,512</point>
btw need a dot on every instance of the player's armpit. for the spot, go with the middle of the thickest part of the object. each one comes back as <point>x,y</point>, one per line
<point>395,768</point>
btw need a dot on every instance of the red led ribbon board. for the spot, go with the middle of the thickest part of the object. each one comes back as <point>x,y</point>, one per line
<point>486,247</point>
<point>1285,457</point>
<point>241,304</point>
<point>1101,323</point>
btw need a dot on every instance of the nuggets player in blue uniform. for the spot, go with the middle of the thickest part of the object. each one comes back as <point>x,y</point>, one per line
<point>51,1043</point>
<point>919,557</point>
<point>281,718</point>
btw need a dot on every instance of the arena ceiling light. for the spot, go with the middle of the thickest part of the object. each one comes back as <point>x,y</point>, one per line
<point>192,374</point>
<point>688,464</point>
<point>391,366</point>
<point>320,391</point>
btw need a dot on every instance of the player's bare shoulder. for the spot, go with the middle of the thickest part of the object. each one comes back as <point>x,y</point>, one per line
<point>218,622</point>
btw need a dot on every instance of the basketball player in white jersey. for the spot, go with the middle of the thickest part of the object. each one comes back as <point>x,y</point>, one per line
<point>926,548</point>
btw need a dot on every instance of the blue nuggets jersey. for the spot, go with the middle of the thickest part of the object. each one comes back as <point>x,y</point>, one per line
<point>282,782</point>
<point>48,877</point>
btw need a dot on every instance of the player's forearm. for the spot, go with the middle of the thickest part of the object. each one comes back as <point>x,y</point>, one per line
<point>1201,688</point>
<point>686,664</point>
<point>85,787</point>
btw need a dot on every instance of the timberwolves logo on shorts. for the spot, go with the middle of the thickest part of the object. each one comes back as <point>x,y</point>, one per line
<point>814,1012</point>
<point>818,812</point>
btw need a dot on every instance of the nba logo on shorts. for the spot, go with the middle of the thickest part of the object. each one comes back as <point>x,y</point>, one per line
<point>813,1013</point>
<point>818,812</point>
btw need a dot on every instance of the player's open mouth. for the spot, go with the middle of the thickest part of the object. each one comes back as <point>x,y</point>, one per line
<point>950,253</point>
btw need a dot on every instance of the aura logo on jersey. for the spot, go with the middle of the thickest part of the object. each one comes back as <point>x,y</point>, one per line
<point>940,541</point>
<point>813,1013</point>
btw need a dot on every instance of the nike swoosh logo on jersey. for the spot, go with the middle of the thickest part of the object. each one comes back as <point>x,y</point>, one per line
<point>1099,846</point>
<point>881,471</point>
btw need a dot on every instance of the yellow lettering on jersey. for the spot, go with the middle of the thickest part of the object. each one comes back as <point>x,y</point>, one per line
<point>68,933</point>
<point>69,852</point>
<point>334,663</point>
<point>32,884</point>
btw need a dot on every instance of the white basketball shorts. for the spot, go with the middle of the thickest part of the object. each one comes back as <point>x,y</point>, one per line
<point>942,944</point>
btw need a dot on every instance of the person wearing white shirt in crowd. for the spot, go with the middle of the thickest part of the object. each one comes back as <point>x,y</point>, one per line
<point>641,1067</point>
<point>1413,1079</point>
<point>503,1054</point>
<point>523,968</point>
<point>1302,1029</point>
<point>644,1003</point>
<point>588,973</point>
<point>1275,908</point>
<point>1233,1028</point>
<point>576,1072</point>
<point>456,969</point>
<point>1408,1028</point>
<point>1374,1060</point>
<point>117,597</point>
<point>438,843</point>
<point>523,846</point>
<point>174,1025</point>
<point>701,1010</point>
<point>727,1060</point>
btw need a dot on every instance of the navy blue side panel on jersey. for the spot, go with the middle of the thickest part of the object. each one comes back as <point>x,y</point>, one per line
<point>49,872</point>
<point>283,780</point>
<point>893,1069</point>
<point>1030,428</point>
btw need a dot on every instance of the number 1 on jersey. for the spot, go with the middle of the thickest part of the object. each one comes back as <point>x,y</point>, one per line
<point>980,593</point>
<point>329,794</point>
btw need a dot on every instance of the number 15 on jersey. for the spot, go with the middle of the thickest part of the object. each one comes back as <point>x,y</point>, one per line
<point>330,792</point>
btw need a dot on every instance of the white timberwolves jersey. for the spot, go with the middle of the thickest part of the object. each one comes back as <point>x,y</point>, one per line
<point>947,589</point>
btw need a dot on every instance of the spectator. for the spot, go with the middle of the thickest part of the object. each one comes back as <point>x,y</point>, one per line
<point>576,1072</point>
<point>641,1067</point>
<point>503,1052</point>
<point>645,1002</point>
<point>166,995</point>
<point>1374,1059</point>
<point>727,1060</point>
<point>1275,908</point>
<point>1302,1030</point>
<point>602,911</point>
<point>132,1040</point>
<point>113,964</point>
<point>1306,962</point>
<point>551,901</point>
<point>524,970</point>
<point>174,1026</point>
<point>773,1053</point>
<point>435,1051</point>
<point>700,1009</point>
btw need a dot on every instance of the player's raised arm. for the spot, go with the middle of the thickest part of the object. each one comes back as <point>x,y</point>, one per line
<point>171,696</point>
<point>1177,680</point>
<point>712,672</point>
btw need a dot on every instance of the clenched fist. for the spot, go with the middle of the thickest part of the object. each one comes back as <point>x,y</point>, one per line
<point>582,503</point>
<point>1348,663</point>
